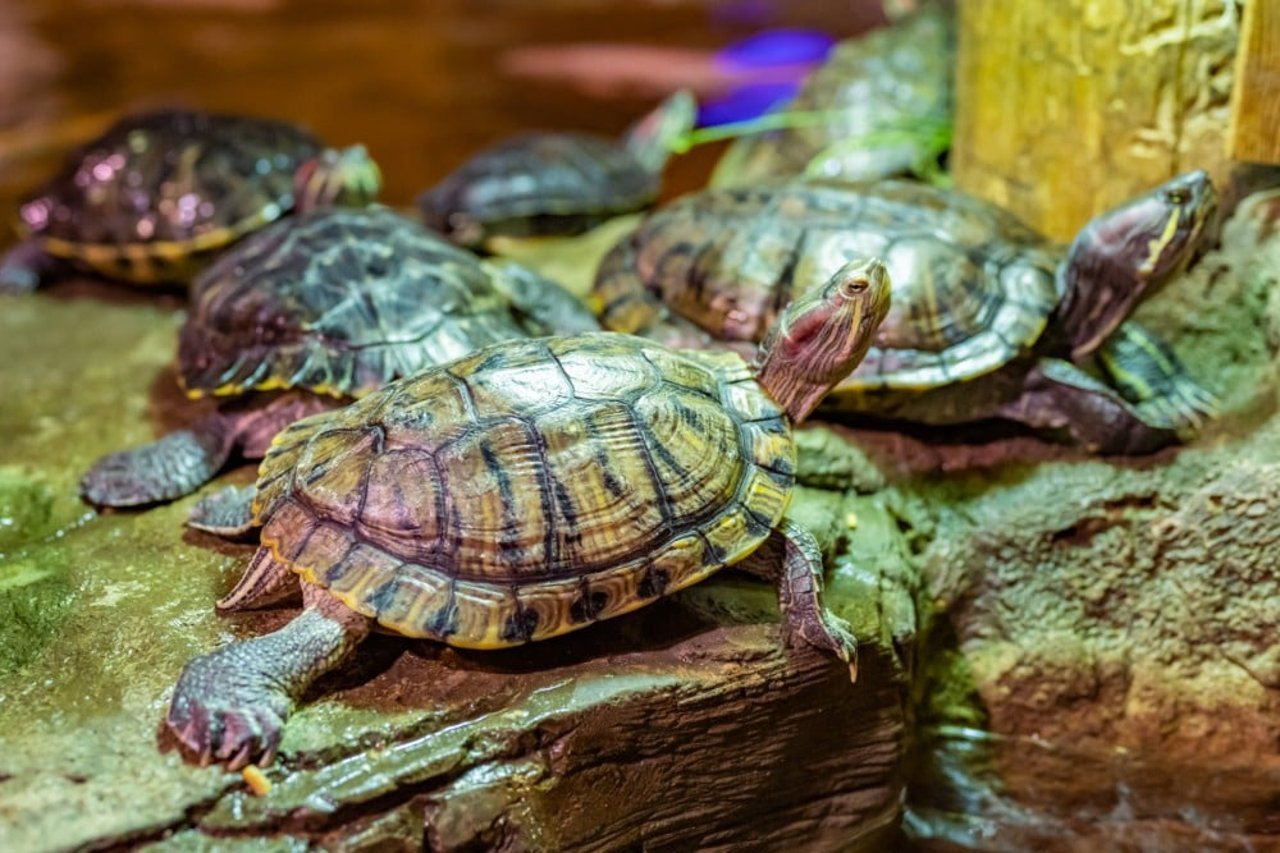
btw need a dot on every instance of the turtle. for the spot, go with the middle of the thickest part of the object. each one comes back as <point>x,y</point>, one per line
<point>525,491</point>
<point>328,304</point>
<point>556,183</point>
<point>882,104</point>
<point>159,193</point>
<point>990,319</point>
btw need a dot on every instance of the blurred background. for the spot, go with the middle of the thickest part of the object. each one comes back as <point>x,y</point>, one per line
<point>423,84</point>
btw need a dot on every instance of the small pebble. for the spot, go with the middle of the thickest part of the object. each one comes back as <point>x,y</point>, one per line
<point>256,780</point>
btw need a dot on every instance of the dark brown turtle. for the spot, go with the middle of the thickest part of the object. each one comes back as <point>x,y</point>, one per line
<point>331,304</point>
<point>525,491</point>
<point>547,183</point>
<point>158,194</point>
<point>988,315</point>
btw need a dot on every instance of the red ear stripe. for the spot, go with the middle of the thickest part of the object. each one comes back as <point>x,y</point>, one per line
<point>805,328</point>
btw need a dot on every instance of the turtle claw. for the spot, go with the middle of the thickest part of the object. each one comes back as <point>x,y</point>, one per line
<point>222,713</point>
<point>830,633</point>
<point>249,734</point>
<point>233,736</point>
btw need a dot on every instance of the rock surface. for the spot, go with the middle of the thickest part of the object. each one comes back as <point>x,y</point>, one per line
<point>683,725</point>
<point>1102,653</point>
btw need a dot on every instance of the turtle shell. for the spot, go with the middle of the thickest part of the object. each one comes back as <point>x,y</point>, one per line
<point>886,99</point>
<point>531,488</point>
<point>337,301</point>
<point>538,184</point>
<point>973,287</point>
<point>157,191</point>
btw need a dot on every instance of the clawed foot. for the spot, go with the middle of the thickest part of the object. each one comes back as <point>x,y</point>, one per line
<point>235,724</point>
<point>116,480</point>
<point>226,512</point>
<point>163,470</point>
<point>830,633</point>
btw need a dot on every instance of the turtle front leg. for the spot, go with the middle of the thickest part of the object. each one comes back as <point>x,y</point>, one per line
<point>25,267</point>
<point>1150,376</point>
<point>792,559</point>
<point>165,469</point>
<point>1059,397</point>
<point>231,704</point>
<point>183,461</point>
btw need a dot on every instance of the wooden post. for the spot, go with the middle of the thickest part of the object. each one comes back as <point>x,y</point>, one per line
<point>1067,107</point>
<point>1254,134</point>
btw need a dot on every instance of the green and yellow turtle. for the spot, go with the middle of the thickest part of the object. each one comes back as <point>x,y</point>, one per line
<point>990,319</point>
<point>525,491</point>
<point>329,304</point>
<point>548,183</point>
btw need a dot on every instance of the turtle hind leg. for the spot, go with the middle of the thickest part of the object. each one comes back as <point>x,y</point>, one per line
<point>792,559</point>
<point>227,512</point>
<point>163,470</point>
<point>230,705</point>
<point>1148,374</point>
<point>26,266</point>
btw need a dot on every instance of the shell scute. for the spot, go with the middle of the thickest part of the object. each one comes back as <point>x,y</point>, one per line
<point>524,385</point>
<point>496,503</point>
<point>620,381</point>
<point>607,505</point>
<point>695,448</point>
<point>404,501</point>
<point>416,601</point>
<point>332,471</point>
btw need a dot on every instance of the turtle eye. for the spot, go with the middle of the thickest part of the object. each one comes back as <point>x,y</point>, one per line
<point>854,286</point>
<point>1178,195</point>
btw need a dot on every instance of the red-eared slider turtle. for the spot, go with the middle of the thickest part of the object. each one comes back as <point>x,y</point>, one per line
<point>985,310</point>
<point>556,183</point>
<point>882,103</point>
<point>158,194</point>
<point>335,302</point>
<point>526,491</point>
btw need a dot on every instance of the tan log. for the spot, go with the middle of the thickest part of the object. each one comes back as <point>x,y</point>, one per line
<point>1068,107</point>
<point>1254,134</point>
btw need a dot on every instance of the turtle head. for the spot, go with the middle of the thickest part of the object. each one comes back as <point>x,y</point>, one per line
<point>1129,253</point>
<point>652,139</point>
<point>349,178</point>
<point>822,336</point>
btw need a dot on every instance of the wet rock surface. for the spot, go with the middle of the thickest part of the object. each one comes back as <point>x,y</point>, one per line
<point>1095,662</point>
<point>684,724</point>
